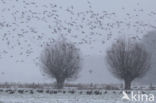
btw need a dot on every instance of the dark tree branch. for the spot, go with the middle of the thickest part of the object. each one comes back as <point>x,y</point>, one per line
<point>128,61</point>
<point>61,61</point>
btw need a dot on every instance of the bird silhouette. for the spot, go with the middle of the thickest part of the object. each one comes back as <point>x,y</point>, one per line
<point>37,25</point>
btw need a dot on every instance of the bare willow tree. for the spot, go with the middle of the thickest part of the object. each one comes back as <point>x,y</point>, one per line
<point>128,61</point>
<point>61,61</point>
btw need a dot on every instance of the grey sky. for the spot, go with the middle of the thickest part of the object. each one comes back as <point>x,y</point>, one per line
<point>23,68</point>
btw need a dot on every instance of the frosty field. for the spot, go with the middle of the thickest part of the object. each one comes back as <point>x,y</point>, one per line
<point>64,96</point>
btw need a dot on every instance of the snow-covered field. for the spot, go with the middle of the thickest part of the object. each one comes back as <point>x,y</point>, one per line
<point>64,96</point>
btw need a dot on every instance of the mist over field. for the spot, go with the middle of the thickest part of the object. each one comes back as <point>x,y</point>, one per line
<point>77,51</point>
<point>27,26</point>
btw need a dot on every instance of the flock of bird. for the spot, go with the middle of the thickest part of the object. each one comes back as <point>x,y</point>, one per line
<point>27,26</point>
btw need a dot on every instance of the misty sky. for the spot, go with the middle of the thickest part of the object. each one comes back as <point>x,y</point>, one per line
<point>26,26</point>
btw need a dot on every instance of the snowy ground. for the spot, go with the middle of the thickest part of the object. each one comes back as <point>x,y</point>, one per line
<point>76,97</point>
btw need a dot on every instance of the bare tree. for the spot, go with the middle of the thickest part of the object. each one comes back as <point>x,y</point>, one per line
<point>61,61</point>
<point>128,61</point>
<point>149,40</point>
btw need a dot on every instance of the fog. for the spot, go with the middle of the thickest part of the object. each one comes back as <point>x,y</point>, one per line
<point>27,26</point>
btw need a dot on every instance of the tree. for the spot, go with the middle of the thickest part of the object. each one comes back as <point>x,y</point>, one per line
<point>61,61</point>
<point>128,61</point>
<point>149,40</point>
